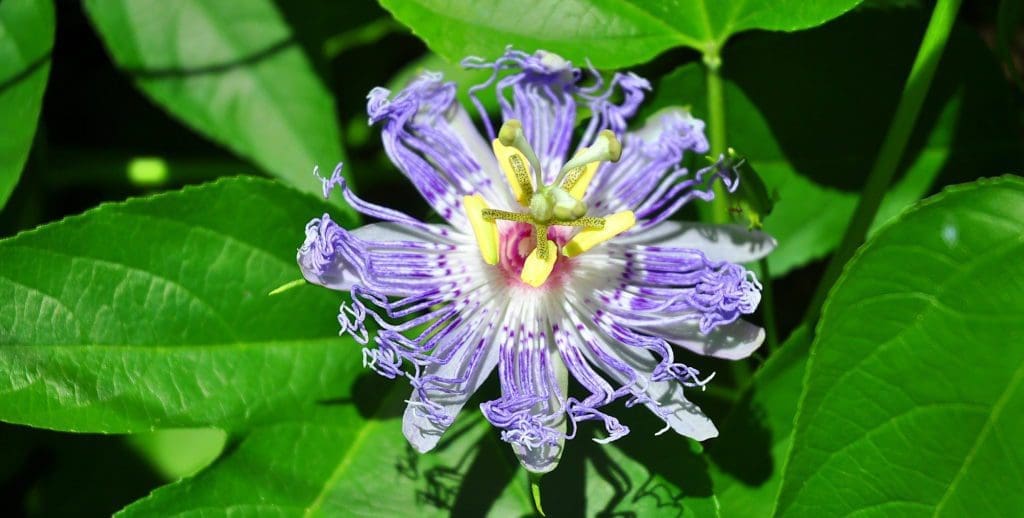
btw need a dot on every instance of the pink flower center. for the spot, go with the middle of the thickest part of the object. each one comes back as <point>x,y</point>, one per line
<point>517,242</point>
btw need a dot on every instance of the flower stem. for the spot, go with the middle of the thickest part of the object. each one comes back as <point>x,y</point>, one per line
<point>719,210</point>
<point>914,92</point>
<point>716,129</point>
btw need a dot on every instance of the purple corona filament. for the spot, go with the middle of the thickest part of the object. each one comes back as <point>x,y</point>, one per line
<point>445,306</point>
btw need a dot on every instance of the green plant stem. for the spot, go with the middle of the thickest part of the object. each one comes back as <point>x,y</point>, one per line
<point>768,306</point>
<point>716,130</point>
<point>914,92</point>
<point>719,209</point>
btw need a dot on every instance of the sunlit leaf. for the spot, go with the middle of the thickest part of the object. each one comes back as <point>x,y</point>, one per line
<point>155,313</point>
<point>914,398</point>
<point>177,453</point>
<point>352,458</point>
<point>611,33</point>
<point>343,459</point>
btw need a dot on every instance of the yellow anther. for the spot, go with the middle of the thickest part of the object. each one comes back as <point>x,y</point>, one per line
<point>517,171</point>
<point>539,264</point>
<point>590,237</point>
<point>504,215</point>
<point>586,221</point>
<point>577,180</point>
<point>486,231</point>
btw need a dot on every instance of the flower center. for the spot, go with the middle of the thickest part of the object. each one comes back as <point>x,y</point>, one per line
<point>517,242</point>
<point>555,206</point>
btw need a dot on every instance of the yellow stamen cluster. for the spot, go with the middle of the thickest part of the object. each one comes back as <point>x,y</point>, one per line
<point>558,204</point>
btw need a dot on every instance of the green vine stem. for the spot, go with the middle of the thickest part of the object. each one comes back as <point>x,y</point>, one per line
<point>914,92</point>
<point>719,212</point>
<point>716,129</point>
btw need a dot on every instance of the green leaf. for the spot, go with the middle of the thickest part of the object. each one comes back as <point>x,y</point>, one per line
<point>346,457</point>
<point>813,141</point>
<point>914,398</point>
<point>647,476</point>
<point>611,33</point>
<point>641,474</point>
<point>339,461</point>
<point>26,40</point>
<point>154,313</point>
<point>754,440</point>
<point>178,453</point>
<point>231,71</point>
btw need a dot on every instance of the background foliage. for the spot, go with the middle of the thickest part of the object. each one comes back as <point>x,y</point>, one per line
<point>155,164</point>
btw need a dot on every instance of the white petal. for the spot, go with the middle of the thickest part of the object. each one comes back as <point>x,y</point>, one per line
<point>387,231</point>
<point>666,397</point>
<point>495,188</point>
<point>732,243</point>
<point>342,276</point>
<point>539,460</point>
<point>544,458</point>
<point>683,416</point>
<point>424,434</point>
<point>734,341</point>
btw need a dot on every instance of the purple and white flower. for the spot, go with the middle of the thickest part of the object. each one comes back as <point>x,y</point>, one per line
<point>552,265</point>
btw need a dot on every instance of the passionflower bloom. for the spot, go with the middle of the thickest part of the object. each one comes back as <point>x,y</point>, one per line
<point>552,264</point>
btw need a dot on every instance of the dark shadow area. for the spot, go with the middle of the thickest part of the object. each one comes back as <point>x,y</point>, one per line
<point>90,104</point>
<point>743,450</point>
<point>333,19</point>
<point>563,491</point>
<point>368,393</point>
<point>791,304</point>
<point>839,89</point>
<point>661,459</point>
<point>442,483</point>
<point>670,456</point>
<point>987,137</point>
<point>467,486</point>
<point>491,471</point>
<point>666,62</point>
<point>762,417</point>
<point>55,474</point>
